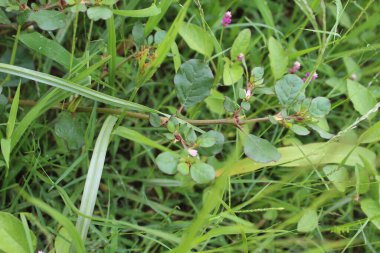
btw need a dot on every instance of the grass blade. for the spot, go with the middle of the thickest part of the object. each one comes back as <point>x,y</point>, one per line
<point>60,218</point>
<point>94,175</point>
<point>138,138</point>
<point>72,87</point>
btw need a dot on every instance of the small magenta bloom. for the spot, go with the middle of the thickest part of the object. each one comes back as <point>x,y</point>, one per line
<point>240,57</point>
<point>313,77</point>
<point>192,152</point>
<point>295,68</point>
<point>227,19</point>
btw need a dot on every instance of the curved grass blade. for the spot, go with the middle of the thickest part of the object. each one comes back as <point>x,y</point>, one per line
<point>138,138</point>
<point>93,176</point>
<point>72,87</point>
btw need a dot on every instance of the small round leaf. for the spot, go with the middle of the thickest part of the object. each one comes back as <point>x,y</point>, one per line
<point>202,173</point>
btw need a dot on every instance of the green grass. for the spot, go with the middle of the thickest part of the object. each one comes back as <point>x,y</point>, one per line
<point>98,171</point>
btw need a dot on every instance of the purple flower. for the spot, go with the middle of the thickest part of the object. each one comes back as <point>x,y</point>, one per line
<point>313,77</point>
<point>240,57</point>
<point>227,19</point>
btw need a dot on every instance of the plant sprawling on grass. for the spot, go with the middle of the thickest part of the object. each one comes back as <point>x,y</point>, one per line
<point>183,126</point>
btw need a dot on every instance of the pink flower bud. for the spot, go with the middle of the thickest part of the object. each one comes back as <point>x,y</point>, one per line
<point>248,93</point>
<point>227,19</point>
<point>297,65</point>
<point>240,57</point>
<point>192,152</point>
<point>315,76</point>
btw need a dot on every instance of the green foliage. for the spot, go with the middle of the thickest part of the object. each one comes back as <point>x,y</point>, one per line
<point>371,135</point>
<point>197,39</point>
<point>278,58</point>
<point>202,173</point>
<point>48,19</point>
<point>13,236</point>
<point>289,90</point>
<point>49,48</point>
<point>193,82</point>
<point>246,169</point>
<point>70,130</point>
<point>338,175</point>
<point>167,162</point>
<point>260,150</point>
<point>319,107</point>
<point>99,12</point>
<point>241,43</point>
<point>361,98</point>
<point>308,221</point>
<point>371,208</point>
<point>232,72</point>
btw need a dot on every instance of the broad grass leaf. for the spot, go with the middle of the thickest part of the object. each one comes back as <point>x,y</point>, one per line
<point>241,43</point>
<point>308,221</point>
<point>193,82</point>
<point>49,48</point>
<point>320,107</point>
<point>197,39</point>
<point>278,58</point>
<point>99,12</point>
<point>289,89</point>
<point>48,20</point>
<point>93,177</point>
<point>260,150</point>
<point>232,72</point>
<point>360,97</point>
<point>307,155</point>
<point>167,162</point>
<point>202,173</point>
<point>371,208</point>
<point>371,135</point>
<point>338,175</point>
<point>12,235</point>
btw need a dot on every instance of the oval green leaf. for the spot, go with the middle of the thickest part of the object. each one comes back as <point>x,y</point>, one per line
<point>202,173</point>
<point>260,150</point>
<point>193,82</point>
